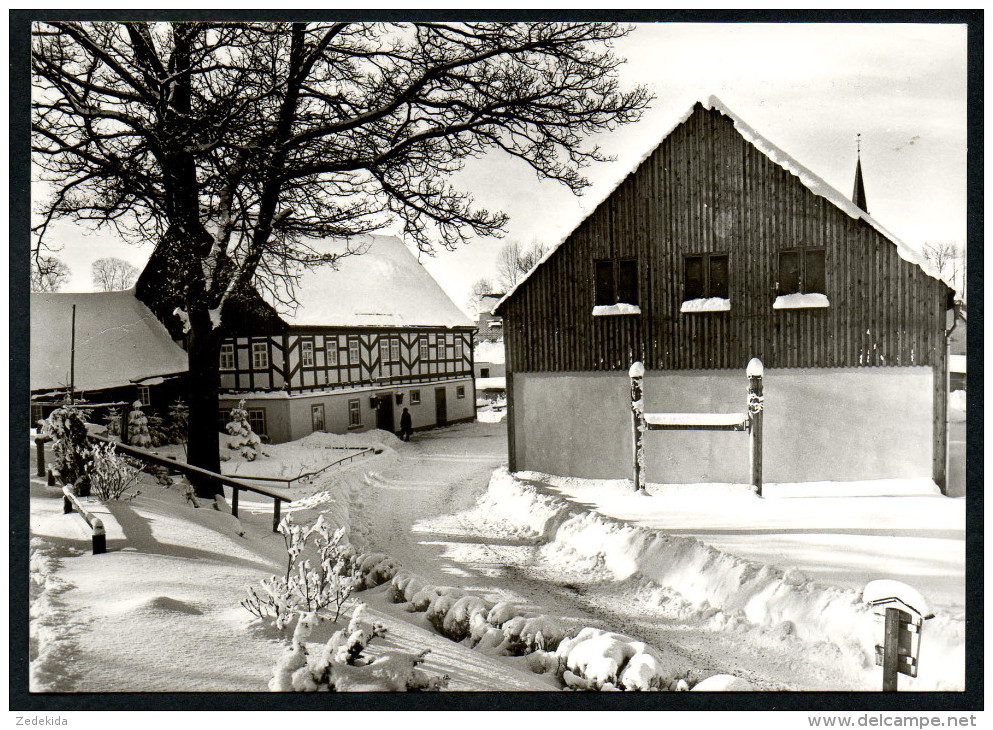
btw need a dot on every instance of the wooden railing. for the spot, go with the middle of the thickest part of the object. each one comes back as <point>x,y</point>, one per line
<point>309,474</point>
<point>196,474</point>
<point>99,535</point>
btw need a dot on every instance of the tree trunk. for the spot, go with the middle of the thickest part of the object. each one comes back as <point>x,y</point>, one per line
<point>204,442</point>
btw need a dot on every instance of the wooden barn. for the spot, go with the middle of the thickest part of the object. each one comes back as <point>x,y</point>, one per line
<point>719,247</point>
<point>364,341</point>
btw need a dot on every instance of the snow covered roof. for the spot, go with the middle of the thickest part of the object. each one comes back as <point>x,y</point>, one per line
<point>383,286</point>
<point>807,178</point>
<point>118,341</point>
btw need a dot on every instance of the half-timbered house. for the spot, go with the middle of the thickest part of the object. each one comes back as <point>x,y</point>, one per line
<point>364,340</point>
<point>719,247</point>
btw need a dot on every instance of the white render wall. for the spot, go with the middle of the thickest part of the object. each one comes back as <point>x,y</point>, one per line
<point>820,424</point>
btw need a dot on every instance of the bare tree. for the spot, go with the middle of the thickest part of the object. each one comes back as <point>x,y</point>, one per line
<point>113,274</point>
<point>515,260</point>
<point>48,274</point>
<point>480,289</point>
<point>238,148</point>
<point>948,261</point>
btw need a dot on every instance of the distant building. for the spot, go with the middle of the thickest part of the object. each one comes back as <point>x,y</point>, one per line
<point>122,352</point>
<point>489,327</point>
<point>717,248</point>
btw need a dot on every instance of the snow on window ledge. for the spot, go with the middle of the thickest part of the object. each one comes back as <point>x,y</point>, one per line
<point>612,310</point>
<point>801,301</point>
<point>711,304</point>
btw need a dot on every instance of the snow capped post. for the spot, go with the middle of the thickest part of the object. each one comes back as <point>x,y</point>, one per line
<point>754,371</point>
<point>99,538</point>
<point>637,374</point>
<point>904,611</point>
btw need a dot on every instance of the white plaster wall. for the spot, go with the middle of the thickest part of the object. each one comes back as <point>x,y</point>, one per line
<point>819,424</point>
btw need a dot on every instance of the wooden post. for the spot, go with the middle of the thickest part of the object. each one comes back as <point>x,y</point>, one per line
<point>40,447</point>
<point>51,478</point>
<point>276,503</point>
<point>99,538</point>
<point>125,415</point>
<point>891,650</point>
<point>234,501</point>
<point>66,504</point>
<point>756,405</point>
<point>637,375</point>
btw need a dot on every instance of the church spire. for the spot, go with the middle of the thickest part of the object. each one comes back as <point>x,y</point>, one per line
<point>858,194</point>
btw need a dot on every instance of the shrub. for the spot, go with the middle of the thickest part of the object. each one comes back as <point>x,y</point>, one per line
<point>306,587</point>
<point>245,439</point>
<point>156,430</point>
<point>342,666</point>
<point>113,421</point>
<point>67,428</point>
<point>112,475</point>
<point>138,432</point>
<point>179,422</point>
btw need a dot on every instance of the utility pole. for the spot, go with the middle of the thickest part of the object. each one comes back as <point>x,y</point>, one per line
<point>72,359</point>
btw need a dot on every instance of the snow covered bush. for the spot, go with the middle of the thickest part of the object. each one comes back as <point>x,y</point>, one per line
<point>374,569</point>
<point>245,440</point>
<point>112,475</point>
<point>602,660</point>
<point>156,430</point>
<point>179,422</point>
<point>138,433</point>
<point>113,421</point>
<point>307,587</point>
<point>66,426</point>
<point>341,665</point>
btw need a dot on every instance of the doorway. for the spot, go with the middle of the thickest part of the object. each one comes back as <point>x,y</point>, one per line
<point>440,407</point>
<point>384,412</point>
<point>317,417</point>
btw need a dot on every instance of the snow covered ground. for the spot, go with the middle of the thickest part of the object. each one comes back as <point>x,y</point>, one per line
<point>758,601</point>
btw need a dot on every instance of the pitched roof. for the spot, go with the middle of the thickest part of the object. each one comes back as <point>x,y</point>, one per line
<point>807,178</point>
<point>383,286</point>
<point>118,341</point>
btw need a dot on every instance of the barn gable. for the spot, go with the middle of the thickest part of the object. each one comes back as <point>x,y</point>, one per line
<point>715,188</point>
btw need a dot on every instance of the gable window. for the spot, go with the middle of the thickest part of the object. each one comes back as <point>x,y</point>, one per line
<point>331,348</point>
<point>615,282</point>
<point>227,357</point>
<point>353,350</point>
<point>260,356</point>
<point>354,413</point>
<point>307,353</point>
<point>801,271</point>
<point>415,397</point>
<point>705,276</point>
<point>395,350</point>
<point>425,348</point>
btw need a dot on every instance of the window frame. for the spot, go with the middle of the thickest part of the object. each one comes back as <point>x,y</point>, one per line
<point>424,348</point>
<point>707,287</point>
<point>616,265</point>
<point>331,350</point>
<point>394,349</point>
<point>802,253</point>
<point>354,353</point>
<point>415,397</point>
<point>228,348</point>
<point>145,395</point>
<point>256,351</point>
<point>460,391</point>
<point>255,417</point>
<point>355,413</point>
<point>307,348</point>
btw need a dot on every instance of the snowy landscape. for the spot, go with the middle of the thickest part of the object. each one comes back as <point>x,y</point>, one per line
<point>509,582</point>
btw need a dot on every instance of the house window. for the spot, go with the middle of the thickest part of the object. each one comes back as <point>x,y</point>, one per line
<point>395,350</point>
<point>484,372</point>
<point>460,391</point>
<point>415,397</point>
<point>307,353</point>
<point>331,348</point>
<point>223,417</point>
<point>354,413</point>
<point>143,395</point>
<point>425,348</point>
<point>458,348</point>
<point>615,281</point>
<point>260,356</point>
<point>227,357</point>
<point>384,350</point>
<point>801,271</point>
<point>705,276</point>
<point>256,419</point>
<point>353,350</point>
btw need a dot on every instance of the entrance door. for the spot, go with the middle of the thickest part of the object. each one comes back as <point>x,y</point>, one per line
<point>384,412</point>
<point>317,417</point>
<point>440,407</point>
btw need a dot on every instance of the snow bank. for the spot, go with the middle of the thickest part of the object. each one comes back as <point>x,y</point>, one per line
<point>52,625</point>
<point>710,579</point>
<point>710,304</point>
<point>614,310</point>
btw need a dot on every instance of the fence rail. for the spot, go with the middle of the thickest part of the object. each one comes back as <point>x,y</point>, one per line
<point>308,475</point>
<point>99,535</point>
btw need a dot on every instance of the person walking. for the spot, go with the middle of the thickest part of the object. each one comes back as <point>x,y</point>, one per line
<point>406,426</point>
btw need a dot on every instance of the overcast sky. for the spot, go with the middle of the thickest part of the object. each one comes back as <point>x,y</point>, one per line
<point>808,88</point>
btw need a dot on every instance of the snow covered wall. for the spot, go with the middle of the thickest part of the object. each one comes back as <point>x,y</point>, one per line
<point>820,424</point>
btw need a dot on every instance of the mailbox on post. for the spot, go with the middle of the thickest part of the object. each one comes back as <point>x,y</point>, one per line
<point>903,612</point>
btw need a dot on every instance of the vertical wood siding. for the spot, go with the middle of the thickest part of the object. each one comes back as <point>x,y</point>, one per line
<point>707,190</point>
